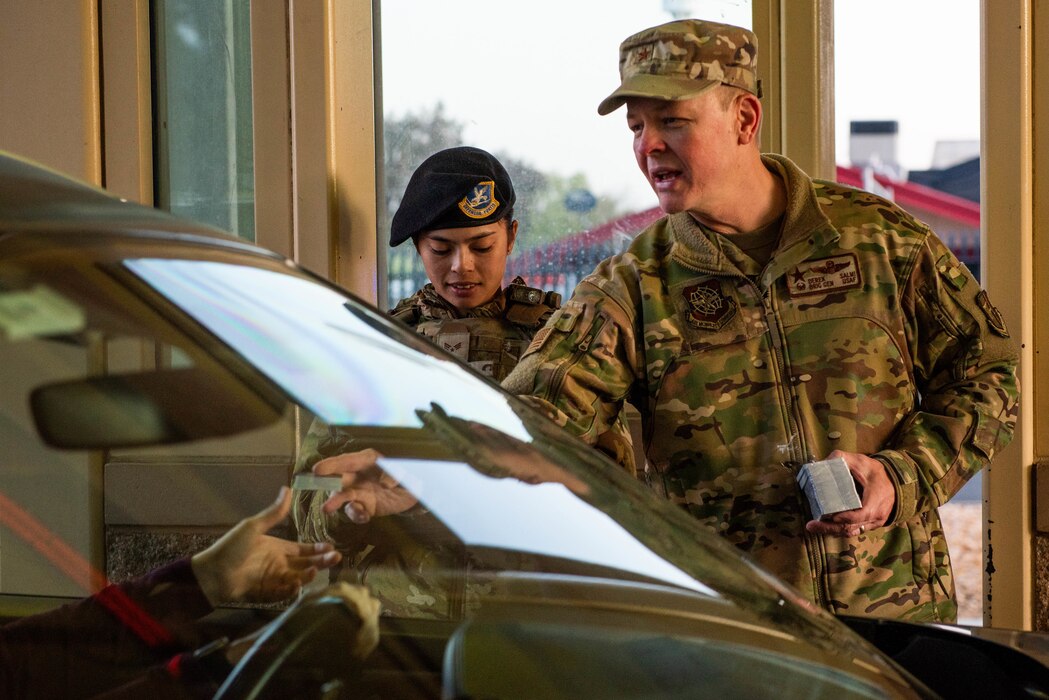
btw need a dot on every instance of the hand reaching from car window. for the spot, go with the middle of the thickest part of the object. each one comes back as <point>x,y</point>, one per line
<point>367,490</point>
<point>248,565</point>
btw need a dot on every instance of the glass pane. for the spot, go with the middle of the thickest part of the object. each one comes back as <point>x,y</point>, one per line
<point>528,93</point>
<point>236,304</point>
<point>916,140</point>
<point>203,121</point>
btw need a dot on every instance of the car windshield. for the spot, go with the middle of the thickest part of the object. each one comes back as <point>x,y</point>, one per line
<point>164,396</point>
<point>489,474</point>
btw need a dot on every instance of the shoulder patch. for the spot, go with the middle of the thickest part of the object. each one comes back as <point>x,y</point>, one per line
<point>950,269</point>
<point>994,317</point>
<point>825,275</point>
<point>538,340</point>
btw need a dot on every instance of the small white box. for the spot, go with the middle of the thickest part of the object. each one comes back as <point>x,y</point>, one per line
<point>829,486</point>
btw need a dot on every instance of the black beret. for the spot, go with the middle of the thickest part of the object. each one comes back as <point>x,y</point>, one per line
<point>454,188</point>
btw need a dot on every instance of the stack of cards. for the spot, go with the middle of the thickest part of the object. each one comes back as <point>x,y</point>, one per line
<point>829,486</point>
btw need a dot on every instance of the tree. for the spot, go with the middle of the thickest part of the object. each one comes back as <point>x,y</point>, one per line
<point>541,197</point>
<point>410,140</point>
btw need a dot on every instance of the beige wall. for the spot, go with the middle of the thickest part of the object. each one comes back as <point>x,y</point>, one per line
<point>49,88</point>
<point>1015,224</point>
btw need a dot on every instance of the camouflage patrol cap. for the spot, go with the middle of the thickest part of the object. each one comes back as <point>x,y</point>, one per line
<point>681,59</point>
<point>458,187</point>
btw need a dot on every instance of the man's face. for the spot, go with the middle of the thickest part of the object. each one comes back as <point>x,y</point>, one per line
<point>686,149</point>
<point>466,265</point>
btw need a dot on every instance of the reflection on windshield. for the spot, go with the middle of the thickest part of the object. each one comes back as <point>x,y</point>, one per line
<point>300,335</point>
<point>353,375</point>
<point>541,518</point>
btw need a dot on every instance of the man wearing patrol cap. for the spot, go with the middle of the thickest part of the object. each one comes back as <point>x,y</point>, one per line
<point>769,320</point>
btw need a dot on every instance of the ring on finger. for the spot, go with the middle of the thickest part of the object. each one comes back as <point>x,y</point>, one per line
<point>862,529</point>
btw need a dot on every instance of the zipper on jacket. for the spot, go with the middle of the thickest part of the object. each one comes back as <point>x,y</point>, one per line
<point>813,543</point>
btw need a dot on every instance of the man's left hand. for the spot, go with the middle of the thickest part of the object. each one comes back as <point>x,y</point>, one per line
<point>877,499</point>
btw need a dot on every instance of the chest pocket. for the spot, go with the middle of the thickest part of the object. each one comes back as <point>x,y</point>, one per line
<point>486,344</point>
<point>713,312</point>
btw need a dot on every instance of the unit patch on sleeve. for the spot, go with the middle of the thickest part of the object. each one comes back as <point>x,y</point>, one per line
<point>994,317</point>
<point>822,276</point>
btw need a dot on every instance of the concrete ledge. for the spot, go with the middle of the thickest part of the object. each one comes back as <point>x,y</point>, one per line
<point>190,493</point>
<point>1041,497</point>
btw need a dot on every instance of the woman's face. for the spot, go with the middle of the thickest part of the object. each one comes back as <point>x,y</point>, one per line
<point>466,265</point>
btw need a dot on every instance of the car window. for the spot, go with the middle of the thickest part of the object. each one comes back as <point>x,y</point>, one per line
<point>88,365</point>
<point>380,383</point>
<point>154,395</point>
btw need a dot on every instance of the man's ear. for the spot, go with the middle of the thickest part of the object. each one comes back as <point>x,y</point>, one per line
<point>748,115</point>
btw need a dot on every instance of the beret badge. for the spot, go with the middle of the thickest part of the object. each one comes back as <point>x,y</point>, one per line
<point>481,201</point>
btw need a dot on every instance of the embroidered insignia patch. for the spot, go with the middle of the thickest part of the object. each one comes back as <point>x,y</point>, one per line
<point>481,201</point>
<point>538,340</point>
<point>994,317</point>
<point>949,267</point>
<point>822,276</point>
<point>708,307</point>
<point>457,344</point>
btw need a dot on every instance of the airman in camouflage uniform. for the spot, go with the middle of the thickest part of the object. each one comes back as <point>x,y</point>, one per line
<point>856,333</point>
<point>491,337</point>
<point>458,209</point>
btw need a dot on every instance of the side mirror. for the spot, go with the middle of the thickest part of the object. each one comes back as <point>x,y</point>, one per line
<point>146,408</point>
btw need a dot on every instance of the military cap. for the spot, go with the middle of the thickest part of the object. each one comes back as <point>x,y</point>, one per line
<point>681,59</point>
<point>455,188</point>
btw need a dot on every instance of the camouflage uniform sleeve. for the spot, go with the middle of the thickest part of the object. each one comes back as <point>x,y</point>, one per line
<point>965,370</point>
<point>311,523</point>
<point>618,444</point>
<point>581,367</point>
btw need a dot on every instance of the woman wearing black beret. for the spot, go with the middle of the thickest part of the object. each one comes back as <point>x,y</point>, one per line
<point>458,211</point>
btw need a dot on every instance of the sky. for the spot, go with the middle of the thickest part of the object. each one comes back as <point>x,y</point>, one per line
<point>525,76</point>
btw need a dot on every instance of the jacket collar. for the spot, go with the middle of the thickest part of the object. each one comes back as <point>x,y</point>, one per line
<point>433,306</point>
<point>805,229</point>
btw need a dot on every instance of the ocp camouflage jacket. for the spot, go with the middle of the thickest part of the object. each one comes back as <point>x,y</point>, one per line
<point>410,579</point>
<point>490,337</point>
<point>863,333</point>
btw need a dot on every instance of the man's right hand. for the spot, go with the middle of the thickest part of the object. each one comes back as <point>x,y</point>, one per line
<point>367,491</point>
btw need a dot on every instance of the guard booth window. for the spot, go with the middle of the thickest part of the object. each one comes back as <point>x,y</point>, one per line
<point>202,107</point>
<point>524,84</point>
